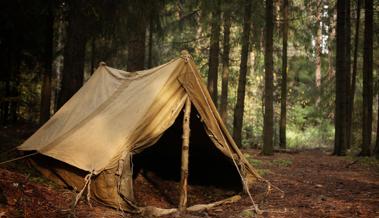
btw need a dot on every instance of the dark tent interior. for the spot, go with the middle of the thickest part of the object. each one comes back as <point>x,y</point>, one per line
<point>207,165</point>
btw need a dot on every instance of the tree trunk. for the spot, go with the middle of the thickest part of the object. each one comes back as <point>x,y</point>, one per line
<point>354,73</point>
<point>93,54</point>
<point>268,147</point>
<point>377,132</point>
<point>48,59</point>
<point>74,52</point>
<point>318,48</point>
<point>150,47</point>
<point>283,90</point>
<point>367,79</point>
<point>214,51</point>
<point>341,92</point>
<point>136,29</point>
<point>225,68</point>
<point>349,103</point>
<point>238,110</point>
<point>332,34</point>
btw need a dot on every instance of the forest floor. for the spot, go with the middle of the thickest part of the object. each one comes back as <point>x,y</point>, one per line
<point>314,183</point>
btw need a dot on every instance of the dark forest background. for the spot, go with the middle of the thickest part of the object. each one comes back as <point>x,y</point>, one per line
<point>283,73</point>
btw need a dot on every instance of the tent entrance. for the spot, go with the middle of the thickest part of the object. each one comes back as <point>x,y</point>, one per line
<point>207,165</point>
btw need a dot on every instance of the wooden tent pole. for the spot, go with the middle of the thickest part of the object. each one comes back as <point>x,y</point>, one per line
<point>185,151</point>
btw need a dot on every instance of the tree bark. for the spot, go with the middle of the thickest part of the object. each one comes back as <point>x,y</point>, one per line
<point>377,131</point>
<point>185,152</point>
<point>354,73</point>
<point>48,59</point>
<point>93,54</point>
<point>341,92</point>
<point>136,29</point>
<point>225,68</point>
<point>268,147</point>
<point>238,110</point>
<point>349,103</point>
<point>318,48</point>
<point>367,79</point>
<point>74,51</point>
<point>150,46</point>
<point>332,34</point>
<point>283,90</point>
<point>214,51</point>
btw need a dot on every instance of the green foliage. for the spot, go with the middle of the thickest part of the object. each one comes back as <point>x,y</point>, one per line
<point>254,162</point>
<point>370,162</point>
<point>282,162</point>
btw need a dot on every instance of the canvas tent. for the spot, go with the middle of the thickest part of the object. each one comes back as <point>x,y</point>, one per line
<point>92,140</point>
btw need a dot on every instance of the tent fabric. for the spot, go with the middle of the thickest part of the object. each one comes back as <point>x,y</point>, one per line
<point>101,122</point>
<point>118,113</point>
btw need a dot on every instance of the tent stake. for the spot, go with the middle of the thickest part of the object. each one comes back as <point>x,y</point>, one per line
<point>185,150</point>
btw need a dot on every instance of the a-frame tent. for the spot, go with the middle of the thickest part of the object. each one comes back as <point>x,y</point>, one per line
<point>93,139</point>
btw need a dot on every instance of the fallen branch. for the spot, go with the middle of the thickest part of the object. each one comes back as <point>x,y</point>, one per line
<point>156,211</point>
<point>201,207</point>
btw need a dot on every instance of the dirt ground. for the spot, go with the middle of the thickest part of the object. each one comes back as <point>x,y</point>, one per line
<point>314,183</point>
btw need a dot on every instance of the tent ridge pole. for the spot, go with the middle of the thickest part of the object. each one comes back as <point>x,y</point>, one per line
<point>185,153</point>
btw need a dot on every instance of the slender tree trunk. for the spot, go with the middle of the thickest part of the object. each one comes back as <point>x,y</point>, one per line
<point>268,147</point>
<point>349,103</point>
<point>283,91</point>
<point>136,29</point>
<point>48,59</point>
<point>367,79</point>
<point>238,110</point>
<point>74,52</point>
<point>332,34</point>
<point>150,54</point>
<point>14,103</point>
<point>354,74</point>
<point>93,54</point>
<point>214,51</point>
<point>225,68</point>
<point>318,48</point>
<point>340,111</point>
<point>377,131</point>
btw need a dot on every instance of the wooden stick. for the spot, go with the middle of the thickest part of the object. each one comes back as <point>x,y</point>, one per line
<point>201,207</point>
<point>185,149</point>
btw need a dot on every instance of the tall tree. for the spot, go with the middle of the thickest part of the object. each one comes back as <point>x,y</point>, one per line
<point>283,90</point>
<point>354,73</point>
<point>331,37</point>
<point>225,66</point>
<point>349,103</point>
<point>341,93</point>
<point>318,45</point>
<point>240,104</point>
<point>377,132</point>
<point>214,51</point>
<point>48,59</point>
<point>367,79</point>
<point>268,147</point>
<point>74,50</point>
<point>150,46</point>
<point>136,28</point>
